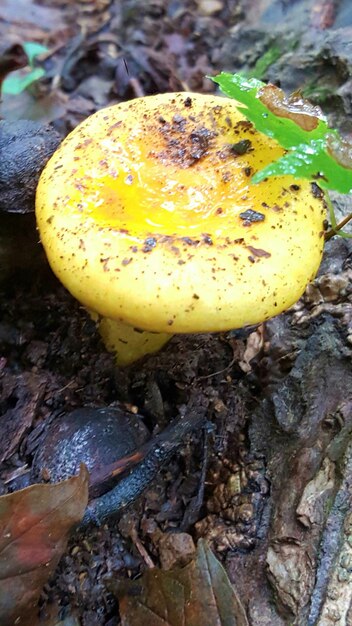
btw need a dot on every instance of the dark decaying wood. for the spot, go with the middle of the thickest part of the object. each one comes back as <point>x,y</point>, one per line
<point>302,427</point>
<point>25,147</point>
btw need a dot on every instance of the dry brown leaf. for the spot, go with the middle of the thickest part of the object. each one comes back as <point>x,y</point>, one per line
<point>198,594</point>
<point>28,20</point>
<point>292,107</point>
<point>254,346</point>
<point>34,528</point>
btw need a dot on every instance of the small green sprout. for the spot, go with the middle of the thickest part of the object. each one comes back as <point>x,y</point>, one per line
<point>313,149</point>
<point>16,82</point>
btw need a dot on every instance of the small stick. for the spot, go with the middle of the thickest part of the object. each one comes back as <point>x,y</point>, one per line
<point>141,549</point>
<point>330,233</point>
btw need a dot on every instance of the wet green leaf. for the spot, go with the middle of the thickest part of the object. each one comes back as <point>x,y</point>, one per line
<point>298,127</point>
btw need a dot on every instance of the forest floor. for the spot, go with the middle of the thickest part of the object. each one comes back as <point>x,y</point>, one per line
<point>265,476</point>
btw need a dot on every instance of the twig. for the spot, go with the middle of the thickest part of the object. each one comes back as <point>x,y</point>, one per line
<point>330,233</point>
<point>141,549</point>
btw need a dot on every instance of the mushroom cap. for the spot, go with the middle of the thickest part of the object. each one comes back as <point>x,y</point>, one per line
<point>147,214</point>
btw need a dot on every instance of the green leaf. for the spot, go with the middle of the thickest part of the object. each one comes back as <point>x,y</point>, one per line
<point>284,130</point>
<point>16,83</point>
<point>310,161</point>
<point>32,50</point>
<point>308,155</point>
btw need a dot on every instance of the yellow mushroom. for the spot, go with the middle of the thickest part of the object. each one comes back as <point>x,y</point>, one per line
<point>148,216</point>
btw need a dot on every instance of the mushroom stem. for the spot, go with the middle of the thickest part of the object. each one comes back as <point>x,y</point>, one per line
<point>129,344</point>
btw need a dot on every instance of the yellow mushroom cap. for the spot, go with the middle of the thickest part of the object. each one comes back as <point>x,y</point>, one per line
<point>148,215</point>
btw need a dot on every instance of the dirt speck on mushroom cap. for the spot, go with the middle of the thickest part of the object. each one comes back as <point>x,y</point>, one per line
<point>146,203</point>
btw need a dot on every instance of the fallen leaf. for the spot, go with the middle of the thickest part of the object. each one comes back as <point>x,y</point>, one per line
<point>255,343</point>
<point>52,613</point>
<point>26,106</point>
<point>199,593</point>
<point>34,528</point>
<point>292,107</point>
<point>29,20</point>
